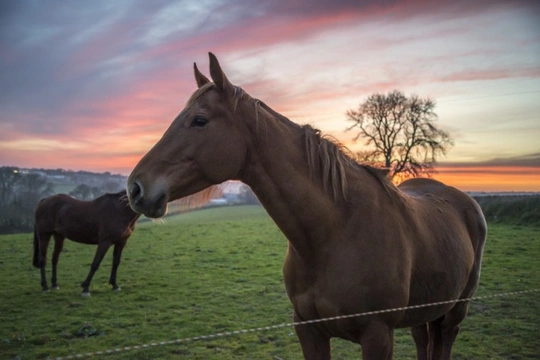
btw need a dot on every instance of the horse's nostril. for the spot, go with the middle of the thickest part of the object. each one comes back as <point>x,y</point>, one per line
<point>136,192</point>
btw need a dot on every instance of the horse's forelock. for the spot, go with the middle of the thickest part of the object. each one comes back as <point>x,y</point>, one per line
<point>237,95</point>
<point>200,92</point>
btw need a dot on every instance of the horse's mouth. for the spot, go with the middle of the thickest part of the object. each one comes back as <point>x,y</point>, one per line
<point>159,208</point>
<point>148,206</point>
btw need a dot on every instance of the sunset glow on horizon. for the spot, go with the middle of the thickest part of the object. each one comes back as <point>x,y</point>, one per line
<point>490,179</point>
<point>93,86</point>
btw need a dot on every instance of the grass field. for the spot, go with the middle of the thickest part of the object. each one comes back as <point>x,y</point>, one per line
<point>219,270</point>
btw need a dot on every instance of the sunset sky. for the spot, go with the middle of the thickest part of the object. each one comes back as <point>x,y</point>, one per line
<point>93,85</point>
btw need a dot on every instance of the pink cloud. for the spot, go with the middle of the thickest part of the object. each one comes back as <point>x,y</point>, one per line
<point>490,74</point>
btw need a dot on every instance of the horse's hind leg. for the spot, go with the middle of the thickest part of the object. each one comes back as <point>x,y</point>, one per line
<point>421,340</point>
<point>117,254</point>
<point>100,253</point>
<point>43,239</point>
<point>435,346</point>
<point>58,246</point>
<point>450,328</point>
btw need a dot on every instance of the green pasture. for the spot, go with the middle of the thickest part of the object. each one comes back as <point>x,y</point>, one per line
<point>218,270</point>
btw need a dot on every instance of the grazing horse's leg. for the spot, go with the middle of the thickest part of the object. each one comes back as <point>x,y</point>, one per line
<point>100,253</point>
<point>315,345</point>
<point>117,254</point>
<point>421,340</point>
<point>377,340</point>
<point>58,245</point>
<point>43,239</point>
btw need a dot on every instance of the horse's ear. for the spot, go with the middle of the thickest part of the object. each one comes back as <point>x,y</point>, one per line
<point>199,77</point>
<point>218,76</point>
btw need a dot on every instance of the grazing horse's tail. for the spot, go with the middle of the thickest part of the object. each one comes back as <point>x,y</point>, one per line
<point>36,261</point>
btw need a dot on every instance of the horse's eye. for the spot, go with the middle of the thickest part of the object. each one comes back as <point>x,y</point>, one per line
<point>199,121</point>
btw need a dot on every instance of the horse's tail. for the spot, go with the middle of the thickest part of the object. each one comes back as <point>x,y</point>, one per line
<point>36,261</point>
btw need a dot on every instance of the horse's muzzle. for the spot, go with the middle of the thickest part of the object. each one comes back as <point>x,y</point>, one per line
<point>152,206</point>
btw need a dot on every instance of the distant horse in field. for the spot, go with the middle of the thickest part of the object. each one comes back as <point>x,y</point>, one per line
<point>105,221</point>
<point>357,243</point>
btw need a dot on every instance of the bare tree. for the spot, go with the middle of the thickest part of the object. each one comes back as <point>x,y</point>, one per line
<point>400,134</point>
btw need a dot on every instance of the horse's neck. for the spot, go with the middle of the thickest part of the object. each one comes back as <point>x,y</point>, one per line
<point>279,175</point>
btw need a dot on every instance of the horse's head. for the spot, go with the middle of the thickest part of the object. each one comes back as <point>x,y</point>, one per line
<point>204,145</point>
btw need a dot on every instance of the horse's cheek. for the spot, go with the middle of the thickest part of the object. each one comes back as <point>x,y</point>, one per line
<point>226,160</point>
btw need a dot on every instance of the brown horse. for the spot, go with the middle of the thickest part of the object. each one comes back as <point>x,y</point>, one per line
<point>105,221</point>
<point>357,243</point>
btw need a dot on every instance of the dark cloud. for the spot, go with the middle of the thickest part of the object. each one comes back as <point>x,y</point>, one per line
<point>58,56</point>
<point>526,161</point>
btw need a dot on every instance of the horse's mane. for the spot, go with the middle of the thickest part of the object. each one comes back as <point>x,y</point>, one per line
<point>332,158</point>
<point>121,196</point>
<point>327,156</point>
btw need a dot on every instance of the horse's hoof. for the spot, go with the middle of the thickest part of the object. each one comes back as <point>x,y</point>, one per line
<point>117,289</point>
<point>85,294</point>
<point>45,290</point>
<point>56,287</point>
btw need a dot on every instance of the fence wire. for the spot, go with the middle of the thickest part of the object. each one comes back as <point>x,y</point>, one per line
<point>280,326</point>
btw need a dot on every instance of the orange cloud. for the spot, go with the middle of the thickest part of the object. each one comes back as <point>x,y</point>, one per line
<point>483,178</point>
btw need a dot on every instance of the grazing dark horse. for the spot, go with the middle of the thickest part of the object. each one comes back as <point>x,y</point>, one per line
<point>105,221</point>
<point>357,243</point>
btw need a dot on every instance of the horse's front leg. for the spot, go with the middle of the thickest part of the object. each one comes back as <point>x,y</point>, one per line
<point>117,255</point>
<point>100,253</point>
<point>377,340</point>
<point>315,344</point>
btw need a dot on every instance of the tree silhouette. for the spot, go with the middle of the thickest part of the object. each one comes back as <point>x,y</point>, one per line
<point>400,134</point>
<point>32,188</point>
<point>9,176</point>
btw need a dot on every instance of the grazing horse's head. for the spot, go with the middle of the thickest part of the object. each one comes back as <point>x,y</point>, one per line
<point>204,145</point>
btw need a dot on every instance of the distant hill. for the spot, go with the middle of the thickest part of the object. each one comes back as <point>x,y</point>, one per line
<point>501,193</point>
<point>65,181</point>
<point>22,188</point>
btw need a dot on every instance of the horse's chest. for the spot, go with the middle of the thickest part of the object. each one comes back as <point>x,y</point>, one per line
<point>341,287</point>
<point>312,292</point>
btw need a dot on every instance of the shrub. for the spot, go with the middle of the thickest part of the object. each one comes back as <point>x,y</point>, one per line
<point>511,209</point>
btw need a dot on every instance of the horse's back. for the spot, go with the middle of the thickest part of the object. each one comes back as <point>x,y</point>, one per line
<point>60,213</point>
<point>56,203</point>
<point>436,197</point>
<point>453,211</point>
